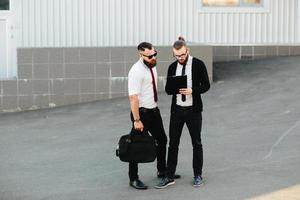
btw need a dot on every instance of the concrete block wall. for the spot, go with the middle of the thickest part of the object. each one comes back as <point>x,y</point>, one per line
<point>50,77</point>
<point>233,53</point>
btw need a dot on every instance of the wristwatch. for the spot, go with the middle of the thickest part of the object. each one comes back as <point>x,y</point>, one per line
<point>136,120</point>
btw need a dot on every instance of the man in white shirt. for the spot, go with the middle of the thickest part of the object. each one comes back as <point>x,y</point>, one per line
<point>145,115</point>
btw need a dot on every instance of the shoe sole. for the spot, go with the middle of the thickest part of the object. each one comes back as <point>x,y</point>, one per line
<point>144,188</point>
<point>198,185</point>
<point>162,187</point>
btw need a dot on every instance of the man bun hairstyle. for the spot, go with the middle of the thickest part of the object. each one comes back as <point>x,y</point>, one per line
<point>179,43</point>
<point>144,45</point>
<point>181,38</point>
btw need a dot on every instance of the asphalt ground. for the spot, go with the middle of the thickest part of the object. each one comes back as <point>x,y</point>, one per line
<point>251,142</point>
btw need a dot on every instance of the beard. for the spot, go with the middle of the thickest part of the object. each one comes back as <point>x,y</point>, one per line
<point>185,61</point>
<point>150,64</point>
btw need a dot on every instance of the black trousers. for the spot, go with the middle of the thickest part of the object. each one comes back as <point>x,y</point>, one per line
<point>193,120</point>
<point>152,121</point>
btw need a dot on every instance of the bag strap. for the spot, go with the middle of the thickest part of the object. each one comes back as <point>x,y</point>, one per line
<point>133,132</point>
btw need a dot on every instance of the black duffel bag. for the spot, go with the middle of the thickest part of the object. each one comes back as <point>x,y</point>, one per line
<point>139,147</point>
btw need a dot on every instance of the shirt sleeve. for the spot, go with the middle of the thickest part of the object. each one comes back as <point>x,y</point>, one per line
<point>134,82</point>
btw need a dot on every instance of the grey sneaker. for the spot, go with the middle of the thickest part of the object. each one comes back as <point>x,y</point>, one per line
<point>198,181</point>
<point>165,182</point>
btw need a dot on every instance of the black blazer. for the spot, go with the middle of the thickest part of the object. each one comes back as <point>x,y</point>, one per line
<point>200,83</point>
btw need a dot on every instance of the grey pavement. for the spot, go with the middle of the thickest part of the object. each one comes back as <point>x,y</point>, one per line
<point>251,141</point>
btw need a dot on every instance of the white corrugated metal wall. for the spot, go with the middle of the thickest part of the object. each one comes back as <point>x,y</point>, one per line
<point>54,23</point>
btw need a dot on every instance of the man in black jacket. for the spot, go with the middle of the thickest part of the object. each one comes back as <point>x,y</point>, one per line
<point>186,109</point>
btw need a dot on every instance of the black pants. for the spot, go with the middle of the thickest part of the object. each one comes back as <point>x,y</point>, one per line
<point>152,121</point>
<point>193,121</point>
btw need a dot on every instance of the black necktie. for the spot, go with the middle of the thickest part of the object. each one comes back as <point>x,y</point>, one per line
<point>182,74</point>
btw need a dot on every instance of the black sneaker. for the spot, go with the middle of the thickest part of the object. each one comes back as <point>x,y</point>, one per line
<point>138,184</point>
<point>163,174</point>
<point>165,182</point>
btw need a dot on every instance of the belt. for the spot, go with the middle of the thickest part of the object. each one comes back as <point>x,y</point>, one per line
<point>144,110</point>
<point>184,107</point>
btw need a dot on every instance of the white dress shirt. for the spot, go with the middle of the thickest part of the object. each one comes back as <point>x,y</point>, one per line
<point>188,71</point>
<point>140,83</point>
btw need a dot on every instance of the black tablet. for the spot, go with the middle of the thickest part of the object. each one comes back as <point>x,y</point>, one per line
<point>176,82</point>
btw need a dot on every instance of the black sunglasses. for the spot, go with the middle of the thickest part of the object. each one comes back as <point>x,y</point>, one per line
<point>151,56</point>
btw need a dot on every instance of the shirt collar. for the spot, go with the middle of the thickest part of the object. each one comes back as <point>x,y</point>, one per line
<point>142,63</point>
<point>189,62</point>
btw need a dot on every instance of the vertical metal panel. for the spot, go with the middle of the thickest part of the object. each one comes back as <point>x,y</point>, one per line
<point>276,17</point>
<point>37,11</point>
<point>230,28</point>
<point>270,24</point>
<point>184,18</point>
<point>220,23</point>
<point>280,20</point>
<point>264,29</point>
<point>177,20</point>
<point>292,21</point>
<point>44,25</point>
<point>298,23</point>
<point>50,19</point>
<point>63,14</point>
<point>164,19</point>
<point>236,28</point>
<point>20,23</point>
<point>189,23</point>
<point>123,21</point>
<point>56,22</point>
<point>127,22</point>
<point>69,21</point>
<point>24,33</point>
<point>3,49</point>
<point>100,23</point>
<point>248,28</point>
<point>31,20</point>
